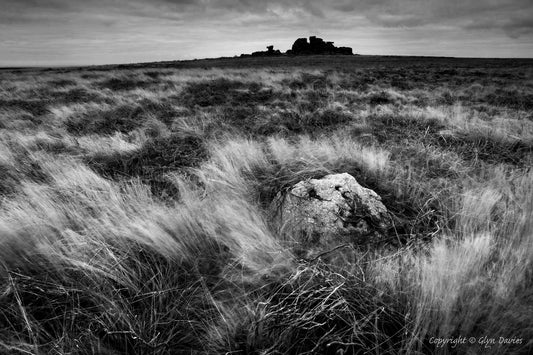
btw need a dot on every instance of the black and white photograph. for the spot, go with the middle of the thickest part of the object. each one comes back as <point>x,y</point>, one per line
<point>266,177</point>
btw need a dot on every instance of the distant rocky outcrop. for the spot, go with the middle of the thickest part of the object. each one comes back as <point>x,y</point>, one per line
<point>270,52</point>
<point>331,210</point>
<point>301,46</point>
<point>317,46</point>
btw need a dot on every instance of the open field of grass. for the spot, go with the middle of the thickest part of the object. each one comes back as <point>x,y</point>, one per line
<point>134,207</point>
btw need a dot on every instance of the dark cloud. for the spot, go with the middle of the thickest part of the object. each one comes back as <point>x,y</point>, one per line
<point>514,27</point>
<point>390,13</point>
<point>502,14</point>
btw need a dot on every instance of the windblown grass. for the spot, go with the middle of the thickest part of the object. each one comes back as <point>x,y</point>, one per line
<point>135,209</point>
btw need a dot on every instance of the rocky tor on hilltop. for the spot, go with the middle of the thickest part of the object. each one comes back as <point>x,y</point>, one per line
<point>301,46</point>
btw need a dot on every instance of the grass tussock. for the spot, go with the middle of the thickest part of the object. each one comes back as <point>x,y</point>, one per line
<point>18,164</point>
<point>79,262</point>
<point>76,95</point>
<point>153,160</point>
<point>224,91</point>
<point>316,310</point>
<point>33,107</point>
<point>123,83</point>
<point>136,203</point>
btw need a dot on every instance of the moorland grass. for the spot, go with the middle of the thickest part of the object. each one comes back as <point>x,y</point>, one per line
<point>135,205</point>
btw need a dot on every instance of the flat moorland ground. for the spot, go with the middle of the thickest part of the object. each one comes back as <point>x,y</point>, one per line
<point>134,206</point>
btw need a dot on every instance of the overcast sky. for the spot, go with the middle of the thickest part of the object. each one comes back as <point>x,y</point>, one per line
<point>64,32</point>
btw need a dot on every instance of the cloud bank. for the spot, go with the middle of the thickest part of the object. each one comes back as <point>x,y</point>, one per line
<point>111,31</point>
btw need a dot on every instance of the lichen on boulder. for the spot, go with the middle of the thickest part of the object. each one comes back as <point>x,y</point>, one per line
<point>332,210</point>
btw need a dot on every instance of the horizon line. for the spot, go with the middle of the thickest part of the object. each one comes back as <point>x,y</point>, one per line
<point>59,66</point>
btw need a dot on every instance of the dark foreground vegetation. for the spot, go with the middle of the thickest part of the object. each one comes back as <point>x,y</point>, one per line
<point>134,206</point>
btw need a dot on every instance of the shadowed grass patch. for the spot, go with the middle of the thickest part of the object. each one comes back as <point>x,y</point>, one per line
<point>389,128</point>
<point>380,98</point>
<point>470,145</point>
<point>225,92</point>
<point>297,122</point>
<point>62,82</point>
<point>34,107</point>
<point>319,311</point>
<point>162,110</point>
<point>157,157</point>
<point>111,314</point>
<point>124,118</point>
<point>307,81</point>
<point>26,168</point>
<point>90,76</point>
<point>474,145</point>
<point>77,95</point>
<point>516,99</point>
<point>154,74</point>
<point>123,83</point>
